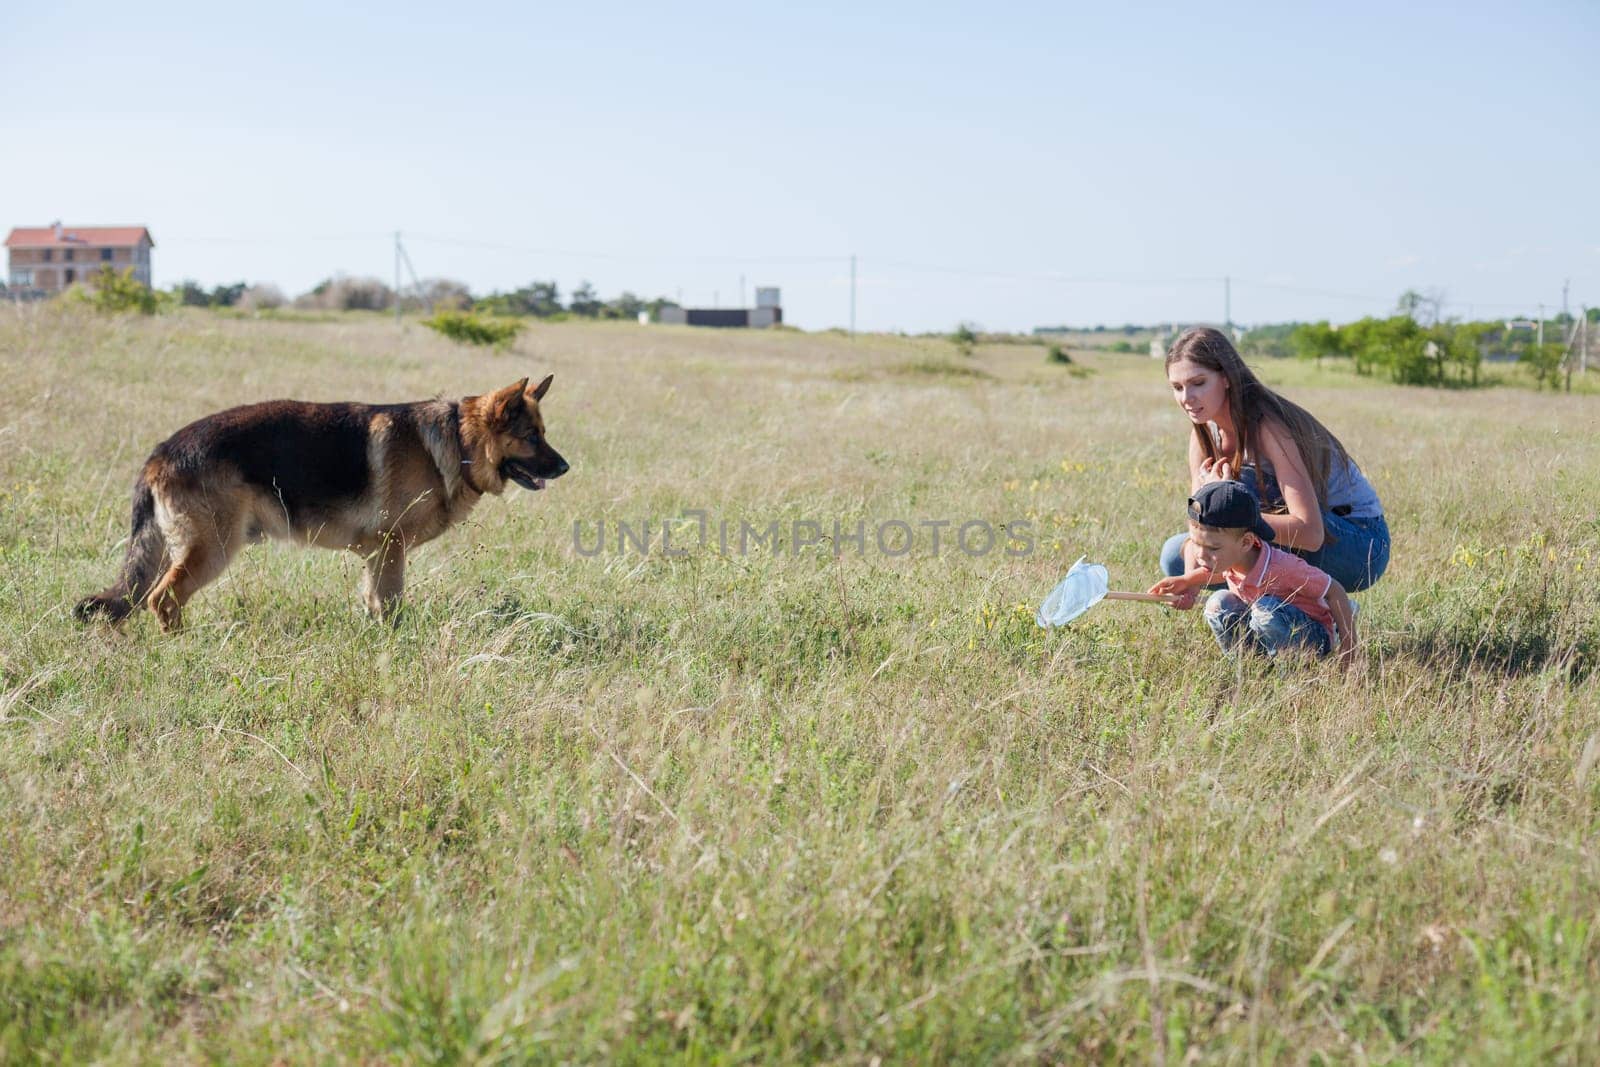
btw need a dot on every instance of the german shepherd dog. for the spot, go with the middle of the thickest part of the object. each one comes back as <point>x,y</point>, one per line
<point>376,479</point>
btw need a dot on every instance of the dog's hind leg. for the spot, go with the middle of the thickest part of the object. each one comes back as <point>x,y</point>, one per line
<point>384,581</point>
<point>195,567</point>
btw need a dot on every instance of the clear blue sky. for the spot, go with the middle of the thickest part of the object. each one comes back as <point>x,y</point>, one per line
<point>1011,165</point>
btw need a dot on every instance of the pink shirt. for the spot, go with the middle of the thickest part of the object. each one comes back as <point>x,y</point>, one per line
<point>1289,578</point>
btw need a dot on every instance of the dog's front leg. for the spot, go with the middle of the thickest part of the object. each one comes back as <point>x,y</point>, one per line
<point>384,581</point>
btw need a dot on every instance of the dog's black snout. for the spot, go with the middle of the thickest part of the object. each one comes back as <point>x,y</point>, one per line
<point>547,462</point>
<point>554,465</point>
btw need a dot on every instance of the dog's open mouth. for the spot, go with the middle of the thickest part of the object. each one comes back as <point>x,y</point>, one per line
<point>521,474</point>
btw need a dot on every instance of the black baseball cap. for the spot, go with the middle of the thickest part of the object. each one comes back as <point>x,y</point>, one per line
<point>1228,506</point>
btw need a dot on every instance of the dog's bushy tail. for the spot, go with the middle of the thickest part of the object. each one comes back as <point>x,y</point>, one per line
<point>142,566</point>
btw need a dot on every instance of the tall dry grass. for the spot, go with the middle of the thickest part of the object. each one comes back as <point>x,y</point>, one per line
<point>788,807</point>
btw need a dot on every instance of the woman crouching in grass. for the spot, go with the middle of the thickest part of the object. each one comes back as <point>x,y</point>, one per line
<point>1275,601</point>
<point>1318,503</point>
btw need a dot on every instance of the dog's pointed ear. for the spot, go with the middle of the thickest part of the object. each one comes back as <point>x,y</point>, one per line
<point>543,387</point>
<point>509,399</point>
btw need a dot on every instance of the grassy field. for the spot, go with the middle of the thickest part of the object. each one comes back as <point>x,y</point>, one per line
<point>785,806</point>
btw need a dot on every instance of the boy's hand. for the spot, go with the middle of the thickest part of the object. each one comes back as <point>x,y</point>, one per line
<point>1344,617</point>
<point>1181,587</point>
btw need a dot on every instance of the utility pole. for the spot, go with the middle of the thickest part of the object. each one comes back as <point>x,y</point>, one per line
<point>1577,345</point>
<point>852,296</point>
<point>1583,339</point>
<point>1564,286</point>
<point>416,283</point>
<point>1227,303</point>
<point>1541,326</point>
<point>1573,350</point>
<point>397,277</point>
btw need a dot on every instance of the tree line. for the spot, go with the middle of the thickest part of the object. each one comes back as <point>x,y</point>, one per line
<point>539,299</point>
<point>1416,346</point>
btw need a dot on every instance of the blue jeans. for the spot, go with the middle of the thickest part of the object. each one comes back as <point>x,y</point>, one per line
<point>1270,625</point>
<point>1354,552</point>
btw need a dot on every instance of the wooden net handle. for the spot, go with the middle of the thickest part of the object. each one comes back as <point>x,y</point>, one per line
<point>1148,598</point>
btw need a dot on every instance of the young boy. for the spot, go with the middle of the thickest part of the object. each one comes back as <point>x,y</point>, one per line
<point>1275,600</point>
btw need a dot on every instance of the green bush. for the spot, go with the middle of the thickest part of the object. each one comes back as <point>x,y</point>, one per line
<point>474,329</point>
<point>1057,354</point>
<point>117,291</point>
<point>1545,360</point>
<point>965,338</point>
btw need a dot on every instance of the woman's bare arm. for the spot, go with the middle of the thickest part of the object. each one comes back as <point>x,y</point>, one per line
<point>1302,527</point>
<point>1197,462</point>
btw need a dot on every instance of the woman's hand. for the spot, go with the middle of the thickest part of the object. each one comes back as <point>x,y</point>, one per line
<point>1219,470</point>
<point>1182,587</point>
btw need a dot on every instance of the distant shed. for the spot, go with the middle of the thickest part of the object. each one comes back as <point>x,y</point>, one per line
<point>767,312</point>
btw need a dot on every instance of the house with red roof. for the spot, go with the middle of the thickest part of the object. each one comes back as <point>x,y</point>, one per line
<point>49,258</point>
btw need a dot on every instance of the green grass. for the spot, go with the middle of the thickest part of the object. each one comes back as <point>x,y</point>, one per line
<point>787,807</point>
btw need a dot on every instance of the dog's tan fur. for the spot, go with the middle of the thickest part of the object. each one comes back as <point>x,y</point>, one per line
<point>285,469</point>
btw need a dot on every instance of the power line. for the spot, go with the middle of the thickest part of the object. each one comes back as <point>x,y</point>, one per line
<point>1364,298</point>
<point>885,266</point>
<point>498,246</point>
<point>1058,277</point>
<point>297,239</point>
<point>1054,277</point>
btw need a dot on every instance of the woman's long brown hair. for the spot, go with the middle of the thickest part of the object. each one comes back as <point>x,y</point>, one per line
<point>1252,404</point>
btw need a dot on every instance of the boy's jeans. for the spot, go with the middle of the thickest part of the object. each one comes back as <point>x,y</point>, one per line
<point>1269,625</point>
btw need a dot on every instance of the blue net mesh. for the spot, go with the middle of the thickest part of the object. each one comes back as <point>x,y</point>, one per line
<point>1079,591</point>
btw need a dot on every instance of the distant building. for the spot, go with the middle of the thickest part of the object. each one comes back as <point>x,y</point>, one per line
<point>767,312</point>
<point>47,259</point>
